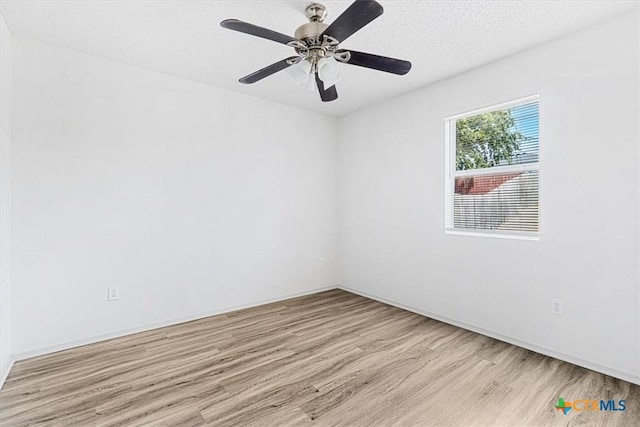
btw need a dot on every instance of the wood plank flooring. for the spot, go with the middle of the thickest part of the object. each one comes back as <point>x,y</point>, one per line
<point>329,359</point>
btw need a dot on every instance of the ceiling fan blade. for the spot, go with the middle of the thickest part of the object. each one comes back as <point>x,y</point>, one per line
<point>376,62</point>
<point>268,70</point>
<point>254,30</point>
<point>330,94</point>
<point>359,14</point>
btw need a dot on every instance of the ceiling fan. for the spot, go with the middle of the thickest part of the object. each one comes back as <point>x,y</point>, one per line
<point>317,46</point>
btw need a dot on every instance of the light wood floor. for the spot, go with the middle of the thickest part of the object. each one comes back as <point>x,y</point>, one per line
<point>332,358</point>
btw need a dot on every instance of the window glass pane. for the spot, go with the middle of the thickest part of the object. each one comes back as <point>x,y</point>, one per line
<point>498,138</point>
<point>505,201</point>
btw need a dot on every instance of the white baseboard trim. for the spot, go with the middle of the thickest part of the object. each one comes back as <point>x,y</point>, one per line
<point>626,376</point>
<point>5,372</point>
<point>123,332</point>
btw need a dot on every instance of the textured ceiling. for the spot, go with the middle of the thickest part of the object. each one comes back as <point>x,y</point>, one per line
<point>184,38</point>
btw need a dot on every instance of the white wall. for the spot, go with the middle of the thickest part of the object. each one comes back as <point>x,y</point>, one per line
<point>190,198</point>
<point>5,199</point>
<point>392,243</point>
<point>638,50</point>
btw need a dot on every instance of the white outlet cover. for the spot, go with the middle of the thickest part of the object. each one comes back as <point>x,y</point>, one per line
<point>113,294</point>
<point>556,306</point>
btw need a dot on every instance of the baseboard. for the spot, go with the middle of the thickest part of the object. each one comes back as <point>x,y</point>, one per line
<point>5,372</point>
<point>124,332</point>
<point>626,376</point>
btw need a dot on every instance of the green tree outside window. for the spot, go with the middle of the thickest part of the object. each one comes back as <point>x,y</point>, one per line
<point>486,140</point>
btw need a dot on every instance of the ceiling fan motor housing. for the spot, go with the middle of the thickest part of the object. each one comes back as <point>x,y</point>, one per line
<point>312,44</point>
<point>310,33</point>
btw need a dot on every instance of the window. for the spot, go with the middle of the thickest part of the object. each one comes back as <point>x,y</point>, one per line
<point>491,167</point>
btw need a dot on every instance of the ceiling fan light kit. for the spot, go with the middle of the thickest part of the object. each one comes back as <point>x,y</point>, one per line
<point>316,45</point>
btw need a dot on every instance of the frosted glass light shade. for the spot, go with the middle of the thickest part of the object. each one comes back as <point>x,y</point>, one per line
<point>301,72</point>
<point>329,72</point>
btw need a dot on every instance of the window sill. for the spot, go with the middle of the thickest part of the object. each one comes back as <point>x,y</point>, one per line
<point>495,235</point>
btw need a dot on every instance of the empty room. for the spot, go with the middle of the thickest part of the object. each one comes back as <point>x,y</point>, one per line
<point>342,213</point>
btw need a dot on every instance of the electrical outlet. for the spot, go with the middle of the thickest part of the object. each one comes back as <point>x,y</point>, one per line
<point>323,262</point>
<point>114,294</point>
<point>556,306</point>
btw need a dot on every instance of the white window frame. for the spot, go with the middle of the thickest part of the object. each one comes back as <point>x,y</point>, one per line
<point>451,174</point>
